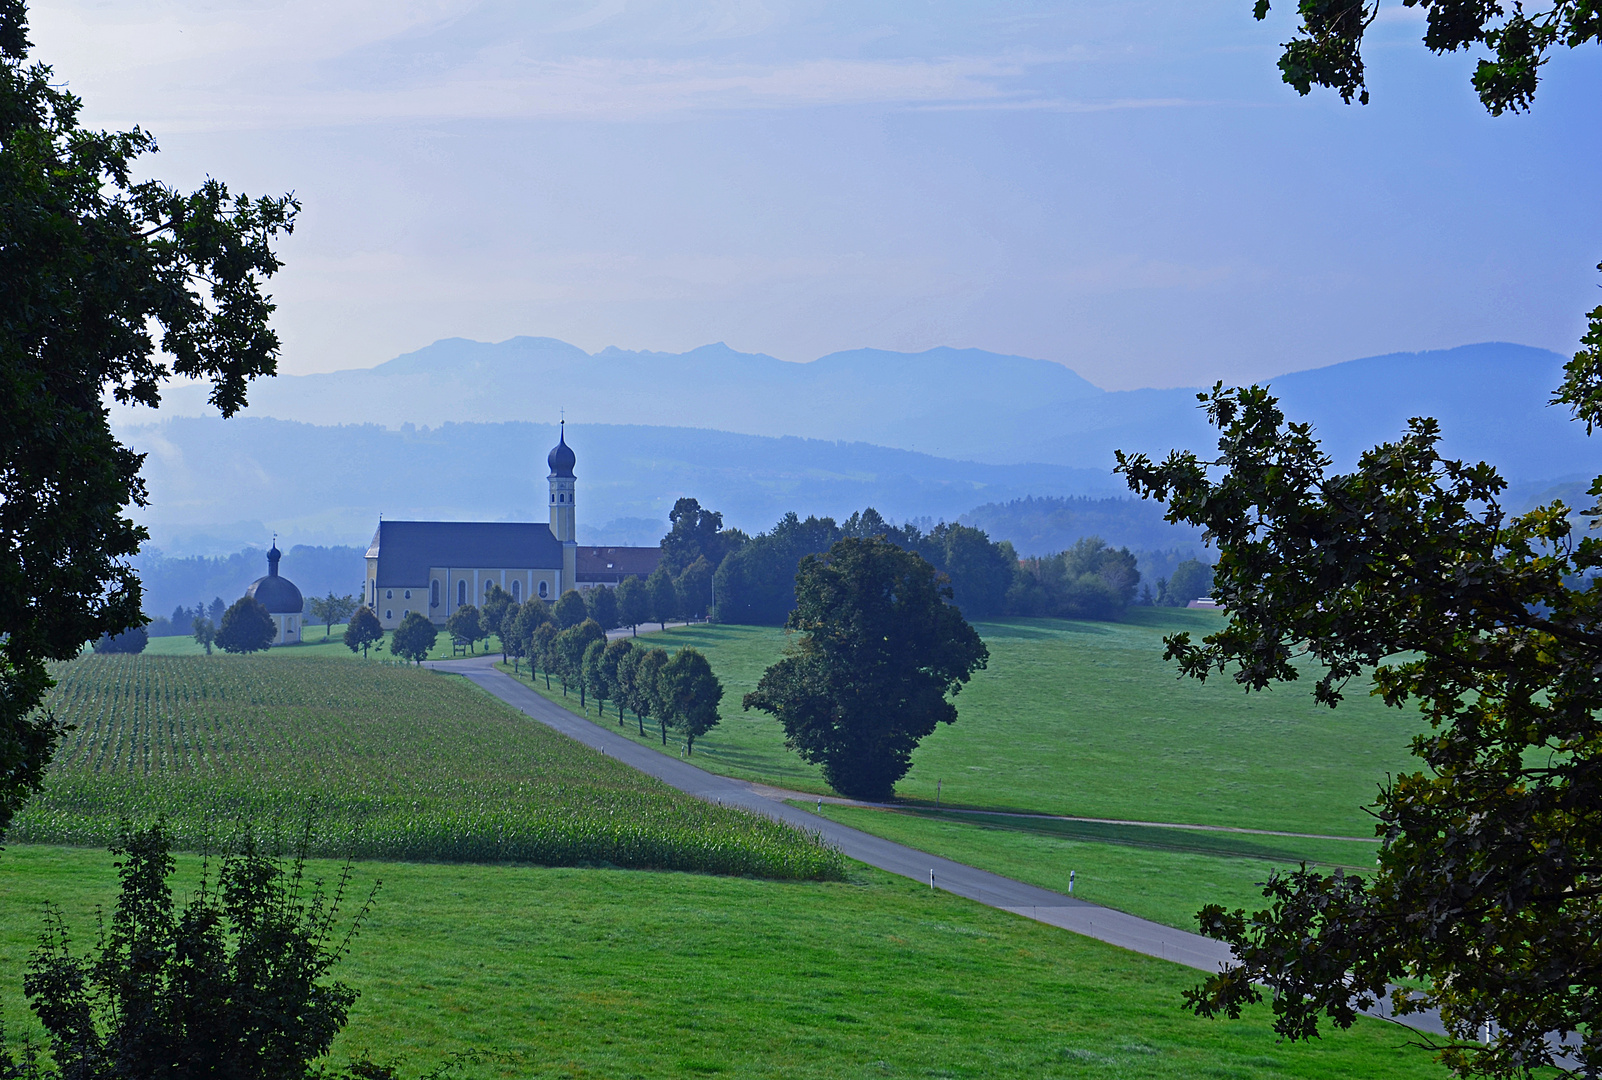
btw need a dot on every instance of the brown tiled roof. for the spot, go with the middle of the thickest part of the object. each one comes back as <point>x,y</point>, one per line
<point>616,563</point>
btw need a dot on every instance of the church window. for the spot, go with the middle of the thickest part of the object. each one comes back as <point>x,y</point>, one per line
<point>517,592</point>
<point>408,594</point>
<point>388,614</point>
<point>433,594</point>
<point>545,589</point>
<point>461,593</point>
<point>389,594</point>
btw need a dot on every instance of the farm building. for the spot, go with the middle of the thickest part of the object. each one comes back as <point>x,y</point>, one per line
<point>435,567</point>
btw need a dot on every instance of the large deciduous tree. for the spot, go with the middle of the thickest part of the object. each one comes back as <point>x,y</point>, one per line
<point>1328,47</point>
<point>97,270</point>
<point>696,533</point>
<point>1408,570</point>
<point>879,654</point>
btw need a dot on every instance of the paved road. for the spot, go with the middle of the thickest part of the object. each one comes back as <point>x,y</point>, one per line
<point>1042,905</point>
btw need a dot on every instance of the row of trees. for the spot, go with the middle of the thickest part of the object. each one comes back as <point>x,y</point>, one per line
<point>755,580</point>
<point>182,621</point>
<point>678,691</point>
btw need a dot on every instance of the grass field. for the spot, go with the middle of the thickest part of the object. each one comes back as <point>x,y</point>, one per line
<point>399,762</point>
<point>530,972</point>
<point>315,644</point>
<point>1086,719</point>
<point>1165,875</point>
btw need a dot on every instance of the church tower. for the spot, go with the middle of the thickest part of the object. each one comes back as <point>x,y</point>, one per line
<point>561,460</point>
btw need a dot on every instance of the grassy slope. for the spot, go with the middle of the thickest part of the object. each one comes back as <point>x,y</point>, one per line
<point>1160,874</point>
<point>581,973</point>
<point>1087,719</point>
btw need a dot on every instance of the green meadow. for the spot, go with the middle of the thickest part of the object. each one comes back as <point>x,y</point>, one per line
<point>512,971</point>
<point>1086,719</point>
<point>1165,875</point>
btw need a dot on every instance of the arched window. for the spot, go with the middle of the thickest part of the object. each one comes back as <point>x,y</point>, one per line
<point>389,594</point>
<point>487,585</point>
<point>461,593</point>
<point>545,590</point>
<point>388,614</point>
<point>433,594</point>
<point>517,592</point>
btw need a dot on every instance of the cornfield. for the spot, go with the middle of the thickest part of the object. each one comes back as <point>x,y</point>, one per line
<point>385,762</point>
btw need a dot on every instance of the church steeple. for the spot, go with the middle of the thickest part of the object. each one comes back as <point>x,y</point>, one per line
<point>561,460</point>
<point>273,555</point>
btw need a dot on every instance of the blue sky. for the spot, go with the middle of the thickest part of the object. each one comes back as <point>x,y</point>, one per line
<point>1126,188</point>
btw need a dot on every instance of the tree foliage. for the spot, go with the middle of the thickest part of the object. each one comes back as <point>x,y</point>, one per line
<point>93,266</point>
<point>246,627</point>
<point>664,596</point>
<point>880,650</point>
<point>602,606</point>
<point>363,631</point>
<point>331,609</point>
<point>466,625</point>
<point>633,603</point>
<point>690,694</point>
<point>1328,47</point>
<point>646,699</point>
<point>696,533</point>
<point>1088,581</point>
<point>570,610</point>
<point>414,638</point>
<point>130,641</point>
<point>235,984</point>
<point>1489,884</point>
<point>204,631</point>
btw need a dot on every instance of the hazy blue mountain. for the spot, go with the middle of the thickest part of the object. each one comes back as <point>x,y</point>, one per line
<point>327,485</point>
<point>1045,526</point>
<point>965,404</point>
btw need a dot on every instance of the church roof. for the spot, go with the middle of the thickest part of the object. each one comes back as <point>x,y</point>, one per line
<point>407,550</point>
<point>561,459</point>
<point>615,563</point>
<point>277,594</point>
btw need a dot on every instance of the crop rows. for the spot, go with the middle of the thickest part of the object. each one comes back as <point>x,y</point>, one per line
<point>389,763</point>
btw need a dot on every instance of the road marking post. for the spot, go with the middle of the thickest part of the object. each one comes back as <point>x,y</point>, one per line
<point>931,877</point>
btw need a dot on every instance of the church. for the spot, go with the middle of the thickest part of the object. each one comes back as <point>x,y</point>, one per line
<point>435,567</point>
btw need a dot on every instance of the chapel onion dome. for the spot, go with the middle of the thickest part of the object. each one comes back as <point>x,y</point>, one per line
<point>561,458</point>
<point>277,594</point>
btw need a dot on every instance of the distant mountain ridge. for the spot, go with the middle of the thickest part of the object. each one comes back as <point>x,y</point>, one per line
<point>961,404</point>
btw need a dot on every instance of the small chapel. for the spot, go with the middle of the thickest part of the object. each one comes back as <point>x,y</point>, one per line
<point>435,567</point>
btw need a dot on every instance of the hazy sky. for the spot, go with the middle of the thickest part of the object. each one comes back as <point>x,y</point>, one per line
<point>1126,187</point>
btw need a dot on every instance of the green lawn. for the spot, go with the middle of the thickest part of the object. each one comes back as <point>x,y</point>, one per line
<point>529,972</point>
<point>1165,875</point>
<point>316,644</point>
<point>1086,719</point>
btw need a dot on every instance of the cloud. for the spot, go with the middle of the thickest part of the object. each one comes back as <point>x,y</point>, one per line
<point>174,66</point>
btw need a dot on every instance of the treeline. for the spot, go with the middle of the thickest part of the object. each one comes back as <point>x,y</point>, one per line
<point>565,642</point>
<point>754,580</point>
<point>175,582</point>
